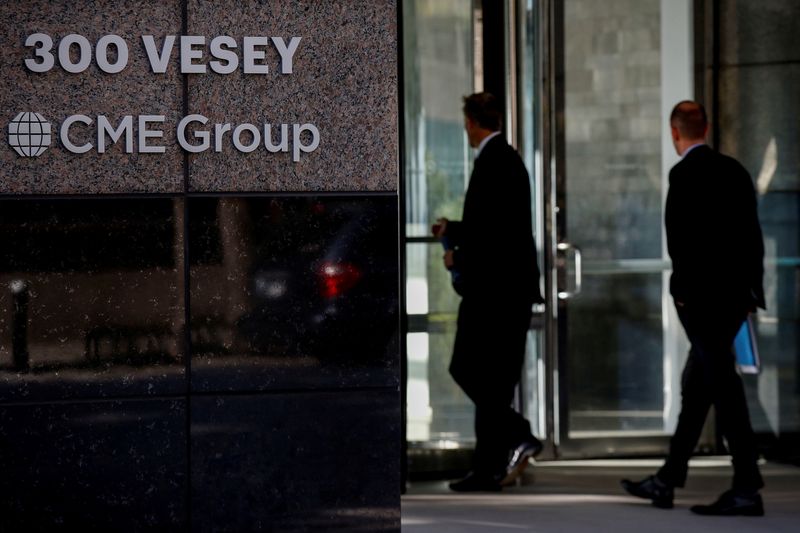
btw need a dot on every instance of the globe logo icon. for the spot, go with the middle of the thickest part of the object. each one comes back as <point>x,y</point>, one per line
<point>29,134</point>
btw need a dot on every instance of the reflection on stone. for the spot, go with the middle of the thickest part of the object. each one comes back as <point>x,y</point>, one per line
<point>286,461</point>
<point>95,290</point>
<point>286,292</point>
<point>296,288</point>
<point>93,466</point>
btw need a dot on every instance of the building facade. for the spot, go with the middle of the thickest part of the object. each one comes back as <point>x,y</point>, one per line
<point>221,308</point>
<point>200,276</point>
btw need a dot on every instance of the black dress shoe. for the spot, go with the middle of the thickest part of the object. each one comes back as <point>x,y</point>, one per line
<point>518,459</point>
<point>732,503</point>
<point>473,482</point>
<point>651,488</point>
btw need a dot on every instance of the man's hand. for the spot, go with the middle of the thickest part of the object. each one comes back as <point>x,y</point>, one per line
<point>439,228</point>
<point>448,259</point>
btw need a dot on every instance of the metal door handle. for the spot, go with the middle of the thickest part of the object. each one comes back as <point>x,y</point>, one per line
<point>565,247</point>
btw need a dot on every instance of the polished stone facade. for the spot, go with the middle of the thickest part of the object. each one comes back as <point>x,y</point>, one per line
<point>202,341</point>
<point>343,81</point>
<point>57,94</point>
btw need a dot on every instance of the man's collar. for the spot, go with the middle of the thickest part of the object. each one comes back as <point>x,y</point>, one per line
<point>692,147</point>
<point>485,141</point>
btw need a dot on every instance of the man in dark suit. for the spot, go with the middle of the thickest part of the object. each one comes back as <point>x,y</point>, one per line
<point>714,240</point>
<point>498,278</point>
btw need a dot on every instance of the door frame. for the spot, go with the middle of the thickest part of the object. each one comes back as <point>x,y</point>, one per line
<point>552,175</point>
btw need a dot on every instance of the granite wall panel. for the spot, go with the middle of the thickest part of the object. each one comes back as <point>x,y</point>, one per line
<point>92,299</point>
<point>343,81</point>
<point>57,94</point>
<point>95,400</point>
<point>93,466</point>
<point>293,292</point>
<point>296,462</point>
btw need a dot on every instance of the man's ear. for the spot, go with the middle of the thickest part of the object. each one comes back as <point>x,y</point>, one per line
<point>676,135</point>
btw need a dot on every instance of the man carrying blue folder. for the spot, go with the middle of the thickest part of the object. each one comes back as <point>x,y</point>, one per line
<point>714,240</point>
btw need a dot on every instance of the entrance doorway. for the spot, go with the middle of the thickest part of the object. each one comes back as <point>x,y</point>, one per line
<point>616,71</point>
<point>587,88</point>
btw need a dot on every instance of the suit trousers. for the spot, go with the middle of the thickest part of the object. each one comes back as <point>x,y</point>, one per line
<point>488,354</point>
<point>710,378</point>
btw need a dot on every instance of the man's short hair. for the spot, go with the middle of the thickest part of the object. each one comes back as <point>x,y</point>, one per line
<point>690,118</point>
<point>485,110</point>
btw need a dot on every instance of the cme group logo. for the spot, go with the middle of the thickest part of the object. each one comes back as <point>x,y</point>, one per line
<point>29,134</point>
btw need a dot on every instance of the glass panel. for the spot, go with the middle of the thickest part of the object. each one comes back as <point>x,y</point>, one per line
<point>438,71</point>
<point>624,354</point>
<point>532,385</point>
<point>438,410</point>
<point>616,371</point>
<point>774,394</point>
<point>613,128</point>
<point>93,298</point>
<point>762,134</point>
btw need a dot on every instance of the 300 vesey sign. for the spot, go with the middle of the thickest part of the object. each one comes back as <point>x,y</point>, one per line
<point>223,49</point>
<point>30,133</point>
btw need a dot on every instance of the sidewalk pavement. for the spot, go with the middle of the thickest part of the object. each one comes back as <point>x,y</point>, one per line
<point>585,496</point>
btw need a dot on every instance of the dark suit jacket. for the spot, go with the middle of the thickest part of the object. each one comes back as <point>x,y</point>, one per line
<point>713,234</point>
<point>495,252</point>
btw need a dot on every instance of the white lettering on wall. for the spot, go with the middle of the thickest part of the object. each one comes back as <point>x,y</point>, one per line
<point>158,61</point>
<point>287,53</point>
<point>298,143</point>
<point>219,133</point>
<point>84,53</point>
<point>301,132</point>
<point>189,53</point>
<point>245,137</point>
<point>283,144</point>
<point>104,127</point>
<point>229,60</point>
<point>255,55</point>
<point>251,54</point>
<point>42,44</point>
<point>237,138</point>
<point>64,134</point>
<point>204,136</point>
<point>145,134</point>
<point>102,54</point>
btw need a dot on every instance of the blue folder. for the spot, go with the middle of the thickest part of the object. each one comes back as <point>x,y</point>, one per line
<point>745,348</point>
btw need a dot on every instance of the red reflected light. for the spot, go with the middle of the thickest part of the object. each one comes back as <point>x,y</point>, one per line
<point>337,278</point>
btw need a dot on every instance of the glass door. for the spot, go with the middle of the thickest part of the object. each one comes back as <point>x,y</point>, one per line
<point>619,348</point>
<point>589,87</point>
<point>443,61</point>
<point>438,52</point>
